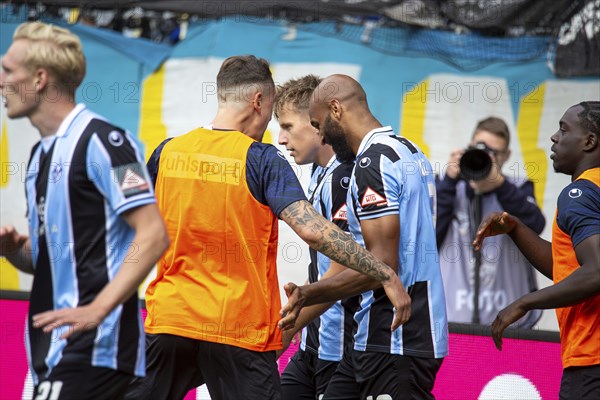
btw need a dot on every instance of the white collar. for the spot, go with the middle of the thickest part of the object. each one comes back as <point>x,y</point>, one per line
<point>331,161</point>
<point>365,141</point>
<point>64,126</point>
<point>47,142</point>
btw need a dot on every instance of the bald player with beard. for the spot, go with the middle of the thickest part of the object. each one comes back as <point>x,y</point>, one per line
<point>390,210</point>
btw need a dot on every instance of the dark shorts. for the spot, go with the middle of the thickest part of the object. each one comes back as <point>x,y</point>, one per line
<point>76,382</point>
<point>175,365</point>
<point>580,383</point>
<point>343,385</point>
<point>306,376</point>
<point>382,375</point>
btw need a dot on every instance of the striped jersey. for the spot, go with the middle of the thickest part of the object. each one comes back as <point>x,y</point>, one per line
<point>328,335</point>
<point>393,177</point>
<point>77,188</point>
<point>577,218</point>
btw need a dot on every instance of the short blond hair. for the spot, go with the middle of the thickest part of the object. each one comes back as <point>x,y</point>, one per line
<point>55,49</point>
<point>295,93</point>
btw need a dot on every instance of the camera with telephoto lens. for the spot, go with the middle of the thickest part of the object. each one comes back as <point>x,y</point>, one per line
<point>476,162</point>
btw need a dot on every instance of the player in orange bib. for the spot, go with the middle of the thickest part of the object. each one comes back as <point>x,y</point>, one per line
<point>572,260</point>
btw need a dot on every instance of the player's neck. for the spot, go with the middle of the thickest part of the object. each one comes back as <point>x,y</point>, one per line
<point>232,117</point>
<point>364,123</point>
<point>324,155</point>
<point>48,117</point>
<point>584,165</point>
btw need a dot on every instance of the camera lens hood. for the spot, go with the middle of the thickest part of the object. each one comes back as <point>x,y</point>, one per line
<point>475,164</point>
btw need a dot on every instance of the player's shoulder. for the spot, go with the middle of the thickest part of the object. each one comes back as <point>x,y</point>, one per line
<point>580,188</point>
<point>107,132</point>
<point>393,147</point>
<point>343,168</point>
<point>579,192</point>
<point>383,157</point>
<point>265,152</point>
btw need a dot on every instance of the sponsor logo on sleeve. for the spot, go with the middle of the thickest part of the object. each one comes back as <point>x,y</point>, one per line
<point>575,193</point>
<point>364,162</point>
<point>372,198</point>
<point>131,179</point>
<point>345,182</point>
<point>115,138</point>
<point>341,214</point>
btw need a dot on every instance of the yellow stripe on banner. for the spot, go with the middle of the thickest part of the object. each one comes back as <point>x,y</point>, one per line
<point>4,160</point>
<point>9,276</point>
<point>152,129</point>
<point>528,132</point>
<point>73,16</point>
<point>413,115</point>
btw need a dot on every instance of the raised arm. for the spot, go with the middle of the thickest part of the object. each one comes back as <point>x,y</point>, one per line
<point>331,241</point>
<point>537,250</point>
<point>519,201</point>
<point>446,195</point>
<point>381,237</point>
<point>581,285</point>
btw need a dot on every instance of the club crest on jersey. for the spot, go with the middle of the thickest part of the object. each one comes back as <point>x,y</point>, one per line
<point>132,179</point>
<point>341,214</point>
<point>56,173</point>
<point>372,198</point>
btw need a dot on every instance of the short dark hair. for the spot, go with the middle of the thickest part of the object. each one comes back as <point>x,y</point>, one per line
<point>590,116</point>
<point>238,74</point>
<point>496,126</point>
<point>296,93</point>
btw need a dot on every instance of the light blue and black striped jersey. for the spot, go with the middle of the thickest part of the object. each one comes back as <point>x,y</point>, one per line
<point>316,172</point>
<point>77,189</point>
<point>328,335</point>
<point>393,177</point>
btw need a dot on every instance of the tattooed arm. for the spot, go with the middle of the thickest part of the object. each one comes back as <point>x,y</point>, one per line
<point>328,239</point>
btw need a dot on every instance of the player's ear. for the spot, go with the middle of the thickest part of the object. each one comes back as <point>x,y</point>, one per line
<point>257,100</point>
<point>335,108</point>
<point>591,141</point>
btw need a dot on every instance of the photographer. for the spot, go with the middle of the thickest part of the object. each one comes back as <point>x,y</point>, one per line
<point>473,187</point>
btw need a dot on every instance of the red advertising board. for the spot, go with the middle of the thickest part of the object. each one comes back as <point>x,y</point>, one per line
<point>526,367</point>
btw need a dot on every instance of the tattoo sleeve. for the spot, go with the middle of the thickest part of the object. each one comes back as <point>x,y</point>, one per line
<point>328,239</point>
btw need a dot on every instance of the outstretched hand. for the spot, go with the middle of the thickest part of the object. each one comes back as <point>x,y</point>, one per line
<point>291,309</point>
<point>506,317</point>
<point>78,319</point>
<point>395,291</point>
<point>497,223</point>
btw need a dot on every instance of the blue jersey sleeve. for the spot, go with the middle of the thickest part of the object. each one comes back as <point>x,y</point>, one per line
<point>154,161</point>
<point>578,210</point>
<point>377,188</point>
<point>115,166</point>
<point>340,182</point>
<point>271,179</point>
